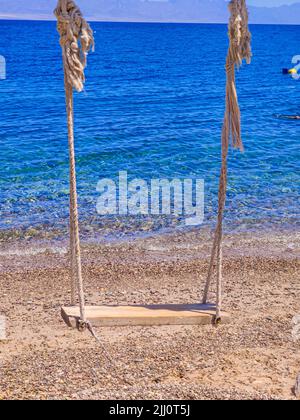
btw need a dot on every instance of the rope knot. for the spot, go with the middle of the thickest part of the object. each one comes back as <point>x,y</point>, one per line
<point>82,325</point>
<point>76,40</point>
<point>239,49</point>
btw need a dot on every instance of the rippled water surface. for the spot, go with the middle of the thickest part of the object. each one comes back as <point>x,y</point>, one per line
<point>153,106</point>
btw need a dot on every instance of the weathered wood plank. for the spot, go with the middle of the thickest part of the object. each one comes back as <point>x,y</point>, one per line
<point>105,316</point>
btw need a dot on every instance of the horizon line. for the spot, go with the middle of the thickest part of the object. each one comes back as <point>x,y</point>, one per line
<point>48,18</point>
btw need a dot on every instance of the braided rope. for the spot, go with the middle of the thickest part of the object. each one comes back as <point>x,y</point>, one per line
<point>76,40</point>
<point>239,49</point>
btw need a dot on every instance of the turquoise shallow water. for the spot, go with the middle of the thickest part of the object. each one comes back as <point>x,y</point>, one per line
<point>153,106</point>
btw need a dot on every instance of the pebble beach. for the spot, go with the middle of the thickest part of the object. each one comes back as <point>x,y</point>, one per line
<point>253,357</point>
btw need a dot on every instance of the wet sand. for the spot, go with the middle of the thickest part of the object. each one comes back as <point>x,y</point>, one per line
<point>254,357</point>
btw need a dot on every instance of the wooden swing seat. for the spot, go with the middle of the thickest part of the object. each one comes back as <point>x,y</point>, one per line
<point>144,315</point>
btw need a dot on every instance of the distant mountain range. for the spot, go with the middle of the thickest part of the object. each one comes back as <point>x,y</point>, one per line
<point>214,11</point>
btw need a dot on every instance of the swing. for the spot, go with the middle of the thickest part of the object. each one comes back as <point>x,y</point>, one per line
<point>76,40</point>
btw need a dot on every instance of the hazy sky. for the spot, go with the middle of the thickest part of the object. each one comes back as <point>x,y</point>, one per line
<point>271,2</point>
<point>156,10</point>
<point>262,2</point>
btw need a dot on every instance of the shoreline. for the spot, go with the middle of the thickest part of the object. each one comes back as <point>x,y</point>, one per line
<point>254,357</point>
<point>176,244</point>
<point>131,229</point>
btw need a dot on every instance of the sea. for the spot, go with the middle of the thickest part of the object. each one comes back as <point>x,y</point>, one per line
<point>153,107</point>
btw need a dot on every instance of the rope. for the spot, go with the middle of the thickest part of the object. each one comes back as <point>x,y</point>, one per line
<point>114,365</point>
<point>76,40</point>
<point>239,49</point>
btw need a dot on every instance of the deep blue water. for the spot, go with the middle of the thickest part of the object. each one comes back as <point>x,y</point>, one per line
<point>153,106</point>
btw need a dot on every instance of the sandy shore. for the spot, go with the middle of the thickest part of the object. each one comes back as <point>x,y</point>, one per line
<point>254,357</point>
